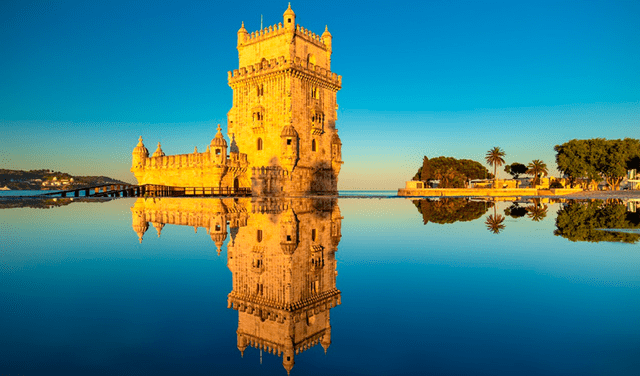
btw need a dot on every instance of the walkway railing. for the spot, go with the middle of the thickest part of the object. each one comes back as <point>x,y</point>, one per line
<point>152,190</point>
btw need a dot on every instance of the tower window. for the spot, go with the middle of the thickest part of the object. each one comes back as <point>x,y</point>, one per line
<point>313,145</point>
<point>260,90</point>
<point>288,238</point>
<point>259,145</point>
<point>259,236</point>
<point>288,141</point>
<point>313,235</point>
<point>288,21</point>
<point>217,151</point>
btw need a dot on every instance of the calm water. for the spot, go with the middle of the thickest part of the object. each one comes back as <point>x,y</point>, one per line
<point>215,287</point>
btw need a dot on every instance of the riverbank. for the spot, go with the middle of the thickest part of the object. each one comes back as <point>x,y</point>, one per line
<point>604,195</point>
<point>484,192</point>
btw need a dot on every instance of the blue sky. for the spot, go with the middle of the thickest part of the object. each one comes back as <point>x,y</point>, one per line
<point>80,81</point>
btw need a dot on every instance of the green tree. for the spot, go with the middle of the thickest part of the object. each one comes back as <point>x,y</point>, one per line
<point>495,158</point>
<point>451,172</point>
<point>515,169</point>
<point>537,168</point>
<point>597,159</point>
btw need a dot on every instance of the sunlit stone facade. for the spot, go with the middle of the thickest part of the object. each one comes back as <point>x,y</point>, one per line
<point>281,126</point>
<point>281,254</point>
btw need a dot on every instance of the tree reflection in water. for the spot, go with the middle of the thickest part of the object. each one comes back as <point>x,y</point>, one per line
<point>450,210</point>
<point>537,211</point>
<point>585,221</point>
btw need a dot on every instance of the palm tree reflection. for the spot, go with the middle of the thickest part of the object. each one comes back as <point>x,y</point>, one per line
<point>537,211</point>
<point>495,221</point>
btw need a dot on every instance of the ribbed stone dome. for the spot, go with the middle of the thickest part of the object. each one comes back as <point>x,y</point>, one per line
<point>288,131</point>
<point>219,140</point>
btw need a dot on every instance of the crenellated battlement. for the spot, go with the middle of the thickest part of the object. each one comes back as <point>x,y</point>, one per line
<point>205,159</point>
<point>213,168</point>
<point>278,29</point>
<point>282,64</point>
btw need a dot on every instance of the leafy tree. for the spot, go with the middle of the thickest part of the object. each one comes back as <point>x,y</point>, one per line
<point>585,221</point>
<point>451,172</point>
<point>495,158</point>
<point>537,168</point>
<point>515,169</point>
<point>597,159</point>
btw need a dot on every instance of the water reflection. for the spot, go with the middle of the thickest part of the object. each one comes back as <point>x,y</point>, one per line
<point>585,221</point>
<point>576,220</point>
<point>282,258</point>
<point>450,210</point>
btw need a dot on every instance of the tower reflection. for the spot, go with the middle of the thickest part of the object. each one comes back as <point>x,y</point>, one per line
<point>282,258</point>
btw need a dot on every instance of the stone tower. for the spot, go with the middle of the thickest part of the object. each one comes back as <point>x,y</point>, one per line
<point>284,109</point>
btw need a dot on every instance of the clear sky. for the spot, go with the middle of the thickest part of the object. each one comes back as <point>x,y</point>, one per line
<point>81,80</point>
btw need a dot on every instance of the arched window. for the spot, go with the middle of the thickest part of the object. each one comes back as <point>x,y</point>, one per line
<point>313,235</point>
<point>259,236</point>
<point>313,145</point>
<point>259,144</point>
<point>260,90</point>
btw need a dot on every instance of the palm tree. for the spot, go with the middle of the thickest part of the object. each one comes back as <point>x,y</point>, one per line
<point>494,158</point>
<point>535,168</point>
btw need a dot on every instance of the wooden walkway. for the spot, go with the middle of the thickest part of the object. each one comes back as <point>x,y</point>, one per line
<point>150,190</point>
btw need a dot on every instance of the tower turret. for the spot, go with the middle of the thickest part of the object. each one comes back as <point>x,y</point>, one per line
<point>288,356</point>
<point>139,222</point>
<point>289,19</point>
<point>242,34</point>
<point>289,149</point>
<point>218,148</point>
<point>336,154</point>
<point>289,232</point>
<point>158,152</point>
<point>139,154</point>
<point>327,38</point>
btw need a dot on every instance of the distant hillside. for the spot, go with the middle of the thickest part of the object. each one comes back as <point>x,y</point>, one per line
<point>48,179</point>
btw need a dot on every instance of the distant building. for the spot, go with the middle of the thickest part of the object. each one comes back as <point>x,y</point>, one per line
<point>282,123</point>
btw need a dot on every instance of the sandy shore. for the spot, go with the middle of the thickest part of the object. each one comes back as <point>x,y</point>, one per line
<point>603,195</point>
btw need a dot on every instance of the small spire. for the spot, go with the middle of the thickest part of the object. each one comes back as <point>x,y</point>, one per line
<point>140,139</point>
<point>195,151</point>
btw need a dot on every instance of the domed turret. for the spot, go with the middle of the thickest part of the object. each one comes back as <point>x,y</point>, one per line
<point>158,152</point>
<point>242,34</point>
<point>288,356</point>
<point>289,147</point>
<point>139,224</point>
<point>218,148</point>
<point>289,232</point>
<point>327,38</point>
<point>140,153</point>
<point>289,19</point>
<point>219,140</point>
<point>336,154</point>
<point>218,227</point>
